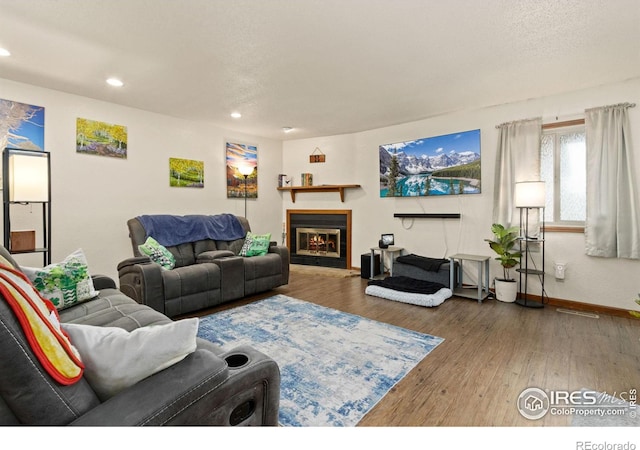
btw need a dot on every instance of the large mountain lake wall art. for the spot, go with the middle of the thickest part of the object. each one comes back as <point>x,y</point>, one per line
<point>439,165</point>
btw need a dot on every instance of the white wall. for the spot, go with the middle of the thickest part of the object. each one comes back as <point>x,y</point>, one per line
<point>353,159</point>
<point>93,196</point>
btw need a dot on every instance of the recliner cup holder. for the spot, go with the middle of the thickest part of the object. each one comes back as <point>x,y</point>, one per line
<point>236,360</point>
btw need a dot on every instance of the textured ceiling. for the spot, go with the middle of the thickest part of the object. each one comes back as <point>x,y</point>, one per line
<point>325,67</point>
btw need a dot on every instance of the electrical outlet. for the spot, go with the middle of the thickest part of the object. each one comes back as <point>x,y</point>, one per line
<point>560,268</point>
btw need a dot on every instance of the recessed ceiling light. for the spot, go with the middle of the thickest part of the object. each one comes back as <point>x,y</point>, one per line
<point>4,52</point>
<point>287,129</point>
<point>115,82</point>
<point>236,115</point>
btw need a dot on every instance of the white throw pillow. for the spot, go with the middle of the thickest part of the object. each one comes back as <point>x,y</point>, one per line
<point>115,359</point>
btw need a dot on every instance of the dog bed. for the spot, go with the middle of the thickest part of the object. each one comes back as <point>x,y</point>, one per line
<point>409,290</point>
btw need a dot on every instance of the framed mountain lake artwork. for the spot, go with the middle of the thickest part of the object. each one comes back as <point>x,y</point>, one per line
<point>434,166</point>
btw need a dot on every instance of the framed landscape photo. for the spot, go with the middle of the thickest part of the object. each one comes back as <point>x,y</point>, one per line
<point>99,138</point>
<point>434,166</point>
<point>21,126</point>
<point>241,158</point>
<point>186,173</point>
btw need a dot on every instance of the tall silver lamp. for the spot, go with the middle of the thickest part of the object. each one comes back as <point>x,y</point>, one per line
<point>245,170</point>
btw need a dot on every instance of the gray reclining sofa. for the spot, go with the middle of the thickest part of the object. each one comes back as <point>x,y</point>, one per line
<point>207,271</point>
<point>208,387</point>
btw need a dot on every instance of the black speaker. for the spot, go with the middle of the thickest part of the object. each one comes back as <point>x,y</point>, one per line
<point>365,265</point>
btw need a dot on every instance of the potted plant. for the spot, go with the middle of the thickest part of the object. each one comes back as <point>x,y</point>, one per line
<point>503,243</point>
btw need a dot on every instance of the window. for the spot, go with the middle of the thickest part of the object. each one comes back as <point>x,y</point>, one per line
<point>563,168</point>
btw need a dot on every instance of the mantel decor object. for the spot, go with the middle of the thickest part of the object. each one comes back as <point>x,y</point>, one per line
<point>317,156</point>
<point>307,179</point>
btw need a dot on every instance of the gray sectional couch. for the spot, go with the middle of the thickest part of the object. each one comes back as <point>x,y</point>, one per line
<point>207,272</point>
<point>208,387</point>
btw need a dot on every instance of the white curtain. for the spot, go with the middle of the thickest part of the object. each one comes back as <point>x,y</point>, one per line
<point>518,159</point>
<point>613,216</point>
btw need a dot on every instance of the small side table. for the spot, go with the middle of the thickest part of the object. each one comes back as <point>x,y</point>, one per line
<point>392,250</point>
<point>482,291</point>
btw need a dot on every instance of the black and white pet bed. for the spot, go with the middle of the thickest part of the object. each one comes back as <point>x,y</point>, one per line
<point>409,290</point>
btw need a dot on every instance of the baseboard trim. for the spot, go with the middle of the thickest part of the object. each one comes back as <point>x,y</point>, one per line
<point>581,306</point>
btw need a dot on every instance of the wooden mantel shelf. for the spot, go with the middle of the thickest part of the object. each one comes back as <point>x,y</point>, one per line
<point>321,188</point>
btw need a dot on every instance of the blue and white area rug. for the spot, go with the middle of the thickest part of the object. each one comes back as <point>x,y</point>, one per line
<point>334,366</point>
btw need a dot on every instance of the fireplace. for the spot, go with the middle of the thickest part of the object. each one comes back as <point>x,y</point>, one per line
<point>318,241</point>
<point>320,237</point>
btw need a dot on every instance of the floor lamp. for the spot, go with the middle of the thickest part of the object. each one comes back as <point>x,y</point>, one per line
<point>245,171</point>
<point>26,180</point>
<point>530,195</point>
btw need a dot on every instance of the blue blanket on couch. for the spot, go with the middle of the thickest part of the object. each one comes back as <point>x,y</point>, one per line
<point>171,230</point>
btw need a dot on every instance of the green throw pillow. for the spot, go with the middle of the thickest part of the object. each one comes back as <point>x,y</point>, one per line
<point>255,244</point>
<point>66,283</point>
<point>158,253</point>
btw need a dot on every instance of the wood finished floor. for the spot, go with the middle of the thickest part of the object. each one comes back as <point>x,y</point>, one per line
<point>491,353</point>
